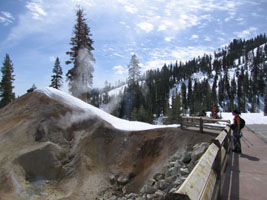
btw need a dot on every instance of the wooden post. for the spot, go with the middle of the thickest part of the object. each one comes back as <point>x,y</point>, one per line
<point>201,124</point>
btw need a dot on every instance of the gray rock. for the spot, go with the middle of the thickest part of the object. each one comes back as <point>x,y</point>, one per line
<point>198,150</point>
<point>172,190</point>
<point>131,196</point>
<point>159,176</point>
<point>112,179</point>
<point>174,171</point>
<point>184,171</point>
<point>123,180</point>
<point>170,179</point>
<point>178,182</point>
<point>165,169</point>
<point>179,163</point>
<point>149,189</point>
<point>162,185</point>
<point>172,164</point>
<point>187,157</point>
<point>112,198</point>
<point>151,182</point>
<point>159,194</point>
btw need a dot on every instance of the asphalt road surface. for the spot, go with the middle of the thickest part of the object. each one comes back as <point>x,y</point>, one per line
<point>260,130</point>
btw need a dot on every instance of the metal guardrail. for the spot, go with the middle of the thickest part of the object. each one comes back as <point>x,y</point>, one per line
<point>202,122</point>
<point>206,179</point>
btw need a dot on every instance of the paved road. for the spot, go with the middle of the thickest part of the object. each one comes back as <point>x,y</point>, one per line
<point>260,130</point>
<point>246,174</point>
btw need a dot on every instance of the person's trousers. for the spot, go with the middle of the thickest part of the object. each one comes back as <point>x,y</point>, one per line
<point>237,143</point>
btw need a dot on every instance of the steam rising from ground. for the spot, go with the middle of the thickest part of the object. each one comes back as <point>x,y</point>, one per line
<point>112,105</point>
<point>84,72</point>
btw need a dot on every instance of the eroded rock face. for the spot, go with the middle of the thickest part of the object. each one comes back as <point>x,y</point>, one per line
<point>42,164</point>
<point>48,151</point>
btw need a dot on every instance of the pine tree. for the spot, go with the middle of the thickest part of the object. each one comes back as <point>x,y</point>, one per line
<point>183,88</point>
<point>80,77</point>
<point>214,91</point>
<point>207,97</point>
<point>221,91</point>
<point>133,71</point>
<point>189,94</point>
<point>105,96</point>
<point>265,104</point>
<point>6,87</point>
<point>56,81</point>
<point>232,94</point>
<point>174,113</point>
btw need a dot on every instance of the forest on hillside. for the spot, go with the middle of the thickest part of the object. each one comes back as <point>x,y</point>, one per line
<point>234,77</point>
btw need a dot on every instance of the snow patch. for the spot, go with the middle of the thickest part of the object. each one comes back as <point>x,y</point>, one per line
<point>250,118</point>
<point>91,110</point>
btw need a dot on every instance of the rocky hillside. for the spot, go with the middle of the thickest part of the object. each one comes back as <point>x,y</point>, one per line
<point>47,151</point>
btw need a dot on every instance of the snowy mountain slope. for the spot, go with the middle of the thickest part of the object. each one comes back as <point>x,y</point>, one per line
<point>89,110</point>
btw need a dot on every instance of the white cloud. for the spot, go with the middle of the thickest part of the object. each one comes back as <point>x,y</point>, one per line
<point>194,36</point>
<point>165,24</point>
<point>161,56</point>
<point>36,9</point>
<point>117,54</point>
<point>52,58</point>
<point>246,33</point>
<point>154,64</point>
<point>187,53</point>
<point>6,17</point>
<point>168,39</point>
<point>130,9</point>
<point>120,70</point>
<point>83,3</point>
<point>145,26</point>
<point>207,38</point>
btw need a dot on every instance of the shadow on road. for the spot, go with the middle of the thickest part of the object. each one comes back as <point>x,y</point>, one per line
<point>249,157</point>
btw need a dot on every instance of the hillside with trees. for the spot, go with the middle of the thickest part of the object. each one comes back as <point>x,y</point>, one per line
<point>234,77</point>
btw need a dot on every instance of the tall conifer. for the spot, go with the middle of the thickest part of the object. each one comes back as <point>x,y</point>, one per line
<point>80,77</point>
<point>6,84</point>
<point>133,71</point>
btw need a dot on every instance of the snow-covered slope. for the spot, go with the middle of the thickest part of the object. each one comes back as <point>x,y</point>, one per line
<point>91,110</point>
<point>250,118</point>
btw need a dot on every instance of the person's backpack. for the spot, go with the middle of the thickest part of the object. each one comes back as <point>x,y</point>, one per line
<point>242,123</point>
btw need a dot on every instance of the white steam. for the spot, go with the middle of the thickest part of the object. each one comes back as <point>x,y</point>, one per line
<point>84,72</point>
<point>112,105</point>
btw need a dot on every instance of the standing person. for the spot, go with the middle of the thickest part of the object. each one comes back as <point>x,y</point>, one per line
<point>214,112</point>
<point>236,131</point>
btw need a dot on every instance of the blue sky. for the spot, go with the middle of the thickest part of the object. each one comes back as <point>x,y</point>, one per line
<point>35,32</point>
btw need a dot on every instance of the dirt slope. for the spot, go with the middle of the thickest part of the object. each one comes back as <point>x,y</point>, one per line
<point>46,153</point>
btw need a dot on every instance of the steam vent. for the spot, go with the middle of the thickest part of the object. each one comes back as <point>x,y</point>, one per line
<point>54,146</point>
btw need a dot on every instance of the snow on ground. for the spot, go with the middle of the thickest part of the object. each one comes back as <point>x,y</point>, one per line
<point>91,110</point>
<point>250,118</point>
<point>117,91</point>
